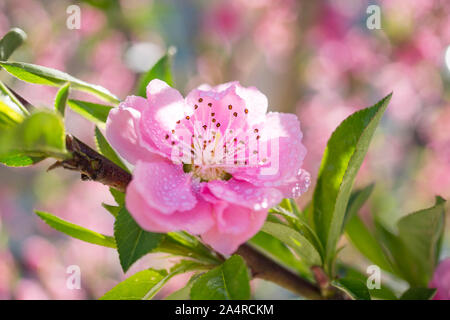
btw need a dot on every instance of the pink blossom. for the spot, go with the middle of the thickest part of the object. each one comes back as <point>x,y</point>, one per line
<point>108,69</point>
<point>275,33</point>
<point>201,164</point>
<point>28,289</point>
<point>93,21</point>
<point>224,19</point>
<point>441,280</point>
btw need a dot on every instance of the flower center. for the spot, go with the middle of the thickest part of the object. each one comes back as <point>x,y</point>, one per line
<point>205,173</point>
<point>213,139</point>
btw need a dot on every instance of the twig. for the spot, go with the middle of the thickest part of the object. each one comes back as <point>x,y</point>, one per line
<point>266,269</point>
<point>92,165</point>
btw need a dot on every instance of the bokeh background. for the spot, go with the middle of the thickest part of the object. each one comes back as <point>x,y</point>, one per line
<point>314,58</point>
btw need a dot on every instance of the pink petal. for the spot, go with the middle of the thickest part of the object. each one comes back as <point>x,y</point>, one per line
<point>121,131</point>
<point>230,218</point>
<point>281,133</point>
<point>227,235</point>
<point>255,101</point>
<point>441,280</point>
<point>296,186</point>
<point>164,186</point>
<point>167,106</point>
<point>245,194</point>
<point>195,221</point>
<point>219,110</point>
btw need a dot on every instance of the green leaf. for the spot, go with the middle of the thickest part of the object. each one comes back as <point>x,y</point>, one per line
<point>132,242</point>
<point>76,231</point>
<point>114,210</point>
<point>342,159</point>
<point>278,251</point>
<point>359,235</point>
<point>357,199</point>
<point>298,222</point>
<point>161,70</point>
<point>61,98</point>
<point>8,98</point>
<point>421,232</point>
<point>292,238</point>
<point>229,281</point>
<point>418,294</point>
<point>181,267</point>
<point>186,245</point>
<point>47,76</point>
<point>10,42</point>
<point>185,292</point>
<point>9,117</point>
<point>40,135</point>
<point>11,154</point>
<point>414,251</point>
<point>136,286</point>
<point>401,260</point>
<point>17,159</point>
<point>118,196</point>
<point>105,5</point>
<point>355,288</point>
<point>144,285</point>
<point>105,149</point>
<point>97,113</point>
<point>384,292</point>
<point>366,243</point>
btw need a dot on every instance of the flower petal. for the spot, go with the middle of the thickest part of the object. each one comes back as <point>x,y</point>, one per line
<point>196,221</point>
<point>218,109</point>
<point>167,107</point>
<point>280,149</point>
<point>226,236</point>
<point>296,186</point>
<point>164,186</point>
<point>255,101</point>
<point>245,194</point>
<point>122,130</point>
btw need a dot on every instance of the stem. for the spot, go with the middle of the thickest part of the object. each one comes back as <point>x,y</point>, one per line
<point>92,165</point>
<point>266,269</point>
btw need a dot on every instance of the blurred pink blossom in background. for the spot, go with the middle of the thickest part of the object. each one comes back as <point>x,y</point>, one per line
<point>313,58</point>
<point>441,280</point>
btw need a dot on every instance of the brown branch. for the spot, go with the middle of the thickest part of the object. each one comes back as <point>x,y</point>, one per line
<point>266,269</point>
<point>92,165</point>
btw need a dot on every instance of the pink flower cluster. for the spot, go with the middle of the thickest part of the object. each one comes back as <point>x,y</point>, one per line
<point>226,202</point>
